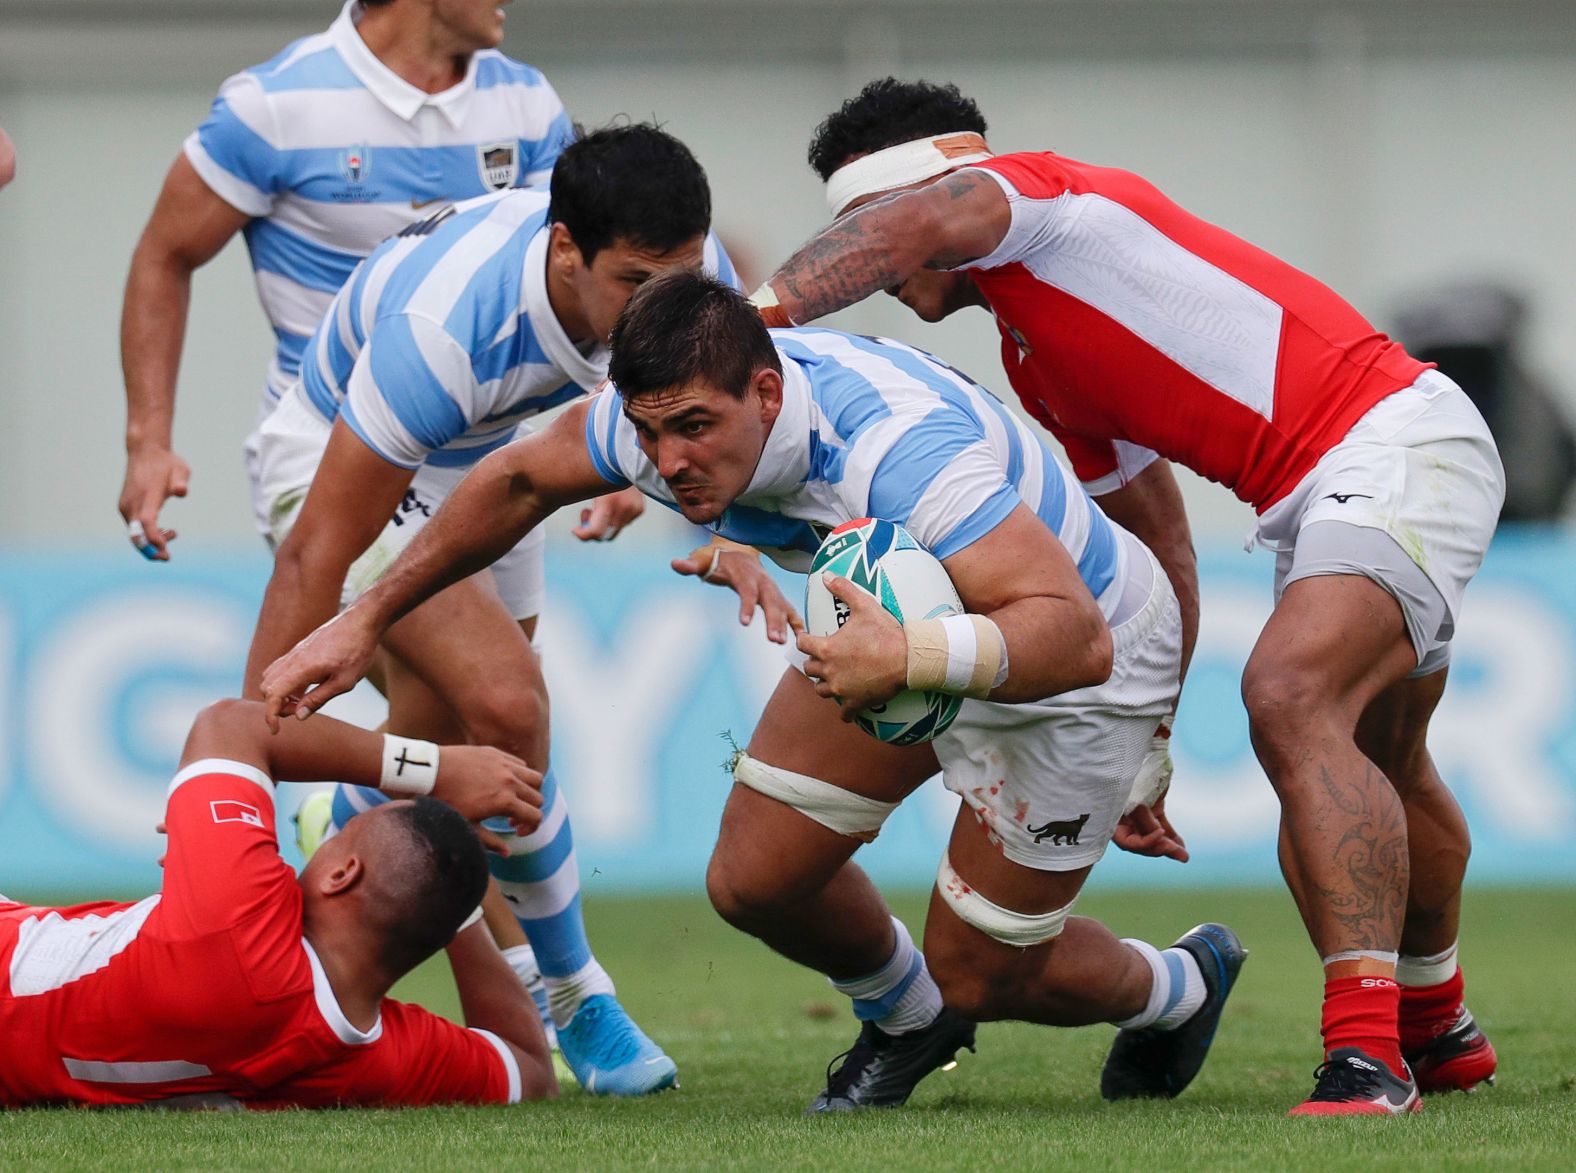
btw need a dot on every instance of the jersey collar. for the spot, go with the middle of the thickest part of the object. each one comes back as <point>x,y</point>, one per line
<point>587,371</point>
<point>388,87</point>
<point>328,1006</point>
<point>785,461</point>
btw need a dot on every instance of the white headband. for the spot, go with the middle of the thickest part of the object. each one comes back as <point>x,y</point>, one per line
<point>899,166</point>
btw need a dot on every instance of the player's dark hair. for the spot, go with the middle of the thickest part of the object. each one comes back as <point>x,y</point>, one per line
<point>635,183</point>
<point>888,112</point>
<point>680,327</point>
<point>444,875</point>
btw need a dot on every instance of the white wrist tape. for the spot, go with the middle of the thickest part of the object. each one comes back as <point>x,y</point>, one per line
<point>771,309</point>
<point>410,766</point>
<point>964,654</point>
<point>476,915</point>
<point>1153,779</point>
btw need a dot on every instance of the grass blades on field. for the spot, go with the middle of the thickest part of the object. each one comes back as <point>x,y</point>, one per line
<point>752,1036</point>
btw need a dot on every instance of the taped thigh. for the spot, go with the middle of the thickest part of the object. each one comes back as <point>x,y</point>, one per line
<point>833,807</point>
<point>1021,929</point>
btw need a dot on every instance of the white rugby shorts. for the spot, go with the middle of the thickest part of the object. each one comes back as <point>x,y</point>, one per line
<point>1421,469</point>
<point>289,446</point>
<point>1048,780</point>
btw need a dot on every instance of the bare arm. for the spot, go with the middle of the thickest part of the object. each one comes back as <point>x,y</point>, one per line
<point>189,225</point>
<point>477,781</point>
<point>1150,508</point>
<point>1022,579</point>
<point>7,159</point>
<point>954,220</point>
<point>492,998</point>
<point>502,499</point>
<point>353,495</point>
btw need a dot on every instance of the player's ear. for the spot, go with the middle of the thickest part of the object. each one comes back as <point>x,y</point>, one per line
<point>342,877</point>
<point>768,387</point>
<point>563,254</point>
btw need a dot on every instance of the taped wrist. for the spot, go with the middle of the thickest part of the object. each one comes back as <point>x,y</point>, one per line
<point>772,313</point>
<point>476,915</point>
<point>964,654</point>
<point>410,766</point>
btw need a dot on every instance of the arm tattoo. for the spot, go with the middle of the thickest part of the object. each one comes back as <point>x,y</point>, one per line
<point>873,249</point>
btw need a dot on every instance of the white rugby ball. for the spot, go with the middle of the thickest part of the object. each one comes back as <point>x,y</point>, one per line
<point>883,559</point>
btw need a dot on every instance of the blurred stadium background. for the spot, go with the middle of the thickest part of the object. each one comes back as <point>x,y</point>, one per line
<point>1391,147</point>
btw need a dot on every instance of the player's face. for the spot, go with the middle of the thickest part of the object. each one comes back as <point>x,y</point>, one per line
<point>475,23</point>
<point>598,291</point>
<point>706,443</point>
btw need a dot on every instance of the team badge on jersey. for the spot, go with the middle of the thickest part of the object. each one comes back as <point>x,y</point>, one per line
<point>355,163</point>
<point>227,810</point>
<point>499,164</point>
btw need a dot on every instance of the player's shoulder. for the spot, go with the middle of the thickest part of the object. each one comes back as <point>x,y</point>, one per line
<point>310,63</point>
<point>494,68</point>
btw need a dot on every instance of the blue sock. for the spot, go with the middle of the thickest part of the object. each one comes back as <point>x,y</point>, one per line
<point>541,881</point>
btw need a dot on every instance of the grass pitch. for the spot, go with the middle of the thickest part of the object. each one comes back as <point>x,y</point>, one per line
<point>752,1036</point>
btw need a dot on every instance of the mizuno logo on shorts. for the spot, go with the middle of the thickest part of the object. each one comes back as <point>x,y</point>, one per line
<point>1343,498</point>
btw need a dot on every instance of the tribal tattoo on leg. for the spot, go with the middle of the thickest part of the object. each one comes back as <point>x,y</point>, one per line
<point>1370,857</point>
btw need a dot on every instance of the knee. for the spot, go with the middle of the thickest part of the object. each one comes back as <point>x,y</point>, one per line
<point>743,900</point>
<point>1284,704</point>
<point>513,717</point>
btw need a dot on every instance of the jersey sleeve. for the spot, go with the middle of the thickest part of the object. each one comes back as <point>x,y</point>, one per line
<point>717,263</point>
<point>1034,221</point>
<point>539,155</point>
<point>233,149</point>
<point>940,479</point>
<point>412,390</point>
<point>421,1059</point>
<point>609,438</point>
<point>222,867</point>
<point>1103,466</point>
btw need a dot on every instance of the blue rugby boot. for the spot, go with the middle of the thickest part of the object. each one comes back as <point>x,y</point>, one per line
<point>610,1055</point>
<point>1153,1063</point>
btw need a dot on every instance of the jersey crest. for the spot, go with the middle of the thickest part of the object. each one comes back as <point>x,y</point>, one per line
<point>355,163</point>
<point>498,164</point>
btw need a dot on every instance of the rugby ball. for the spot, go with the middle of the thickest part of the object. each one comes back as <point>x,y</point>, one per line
<point>883,559</point>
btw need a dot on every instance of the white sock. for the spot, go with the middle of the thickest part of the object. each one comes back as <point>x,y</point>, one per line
<point>1176,991</point>
<point>1426,971</point>
<point>900,996</point>
<point>522,959</point>
<point>565,994</point>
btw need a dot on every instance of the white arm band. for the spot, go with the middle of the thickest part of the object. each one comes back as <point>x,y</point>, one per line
<point>410,766</point>
<point>964,654</point>
<point>476,915</point>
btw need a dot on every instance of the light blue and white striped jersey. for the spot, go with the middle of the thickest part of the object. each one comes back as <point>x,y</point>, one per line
<point>873,428</point>
<point>443,340</point>
<point>331,151</point>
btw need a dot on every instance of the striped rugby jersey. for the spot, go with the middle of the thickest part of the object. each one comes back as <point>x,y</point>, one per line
<point>873,428</point>
<point>330,151</point>
<point>443,340</point>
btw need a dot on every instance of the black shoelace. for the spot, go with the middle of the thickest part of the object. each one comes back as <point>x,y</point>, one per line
<point>854,1061</point>
<point>1341,1082</point>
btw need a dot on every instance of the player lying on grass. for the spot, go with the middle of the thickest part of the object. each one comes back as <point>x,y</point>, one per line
<point>442,346</point>
<point>1134,330</point>
<point>773,440</point>
<point>241,982</point>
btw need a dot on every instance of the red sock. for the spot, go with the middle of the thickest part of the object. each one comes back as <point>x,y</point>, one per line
<point>1361,1012</point>
<point>1427,1011</point>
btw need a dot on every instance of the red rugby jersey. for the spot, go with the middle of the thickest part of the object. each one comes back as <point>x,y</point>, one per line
<point>210,989</point>
<point>1125,319</point>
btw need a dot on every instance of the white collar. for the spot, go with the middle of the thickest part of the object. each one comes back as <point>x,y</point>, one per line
<point>328,1006</point>
<point>785,461</point>
<point>389,87</point>
<point>587,371</point>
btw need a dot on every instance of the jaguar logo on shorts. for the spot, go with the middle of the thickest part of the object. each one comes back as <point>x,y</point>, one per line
<point>499,164</point>
<point>1061,834</point>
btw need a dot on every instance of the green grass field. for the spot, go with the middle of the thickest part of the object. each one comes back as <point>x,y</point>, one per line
<point>752,1036</point>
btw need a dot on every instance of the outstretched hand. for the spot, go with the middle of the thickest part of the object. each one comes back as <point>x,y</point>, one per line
<point>1145,830</point>
<point>604,518</point>
<point>326,663</point>
<point>153,476</point>
<point>740,569</point>
<point>482,783</point>
<point>863,663</point>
